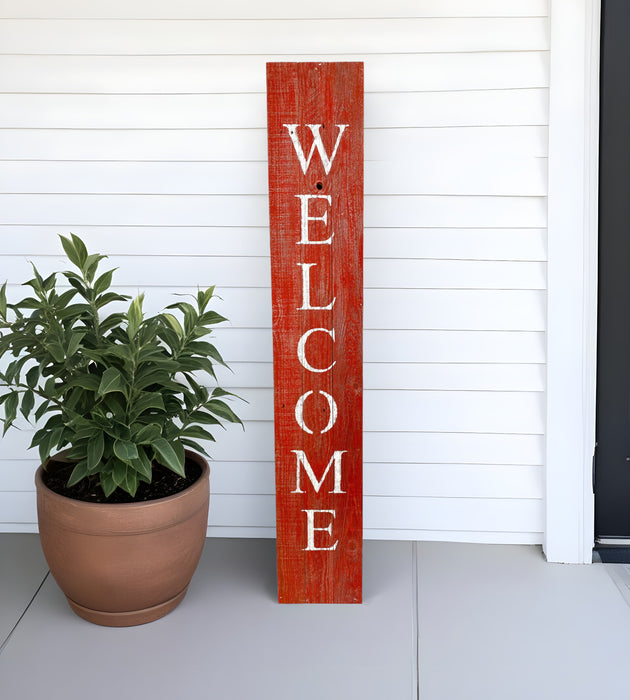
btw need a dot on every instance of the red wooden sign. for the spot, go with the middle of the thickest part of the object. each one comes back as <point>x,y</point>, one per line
<point>315,131</point>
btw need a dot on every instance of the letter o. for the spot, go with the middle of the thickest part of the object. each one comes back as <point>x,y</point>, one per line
<point>299,412</point>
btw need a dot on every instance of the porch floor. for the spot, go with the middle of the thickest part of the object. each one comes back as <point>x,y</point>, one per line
<point>439,622</point>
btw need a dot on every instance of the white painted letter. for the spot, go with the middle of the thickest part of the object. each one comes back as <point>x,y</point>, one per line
<point>299,412</point>
<point>305,218</point>
<point>303,461</point>
<point>301,350</point>
<point>317,144</point>
<point>306,290</point>
<point>310,530</point>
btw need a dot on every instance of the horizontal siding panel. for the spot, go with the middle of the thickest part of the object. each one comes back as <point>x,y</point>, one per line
<point>65,210</point>
<point>173,241</point>
<point>452,244</point>
<point>521,107</point>
<point>504,515</point>
<point>454,411</point>
<point>456,175</point>
<point>457,244</point>
<point>18,507</point>
<point>409,480</point>
<point>256,444</point>
<point>226,272</point>
<point>233,444</point>
<point>279,9</point>
<point>454,212</point>
<point>455,309</point>
<point>239,345</point>
<point>454,274</point>
<point>242,376</point>
<point>530,538</point>
<point>453,377</point>
<point>206,73</point>
<point>507,515</point>
<point>469,536</point>
<point>405,346</point>
<point>417,480</point>
<point>454,480</point>
<point>387,309</point>
<point>453,448</point>
<point>251,144</point>
<point>283,36</point>
<point>425,411</point>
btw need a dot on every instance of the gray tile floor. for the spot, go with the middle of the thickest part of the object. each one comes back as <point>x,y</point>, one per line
<point>439,622</point>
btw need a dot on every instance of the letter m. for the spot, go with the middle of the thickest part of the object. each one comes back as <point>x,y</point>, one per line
<point>302,461</point>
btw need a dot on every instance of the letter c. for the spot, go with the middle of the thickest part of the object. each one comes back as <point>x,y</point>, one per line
<point>301,350</point>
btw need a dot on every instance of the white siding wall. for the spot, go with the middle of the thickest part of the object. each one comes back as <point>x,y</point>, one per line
<point>140,125</point>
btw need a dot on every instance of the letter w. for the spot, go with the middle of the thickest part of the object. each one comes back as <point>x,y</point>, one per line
<point>303,461</point>
<point>317,144</point>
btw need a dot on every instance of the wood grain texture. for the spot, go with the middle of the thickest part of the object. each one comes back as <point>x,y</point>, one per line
<point>317,285</point>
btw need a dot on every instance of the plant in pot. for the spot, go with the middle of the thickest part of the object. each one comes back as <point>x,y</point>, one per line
<point>122,402</point>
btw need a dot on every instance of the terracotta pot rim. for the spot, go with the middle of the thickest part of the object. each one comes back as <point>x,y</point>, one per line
<point>205,471</point>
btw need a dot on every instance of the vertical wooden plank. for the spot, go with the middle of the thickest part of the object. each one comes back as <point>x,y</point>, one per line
<point>315,137</point>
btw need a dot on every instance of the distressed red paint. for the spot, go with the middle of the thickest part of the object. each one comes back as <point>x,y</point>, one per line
<point>316,218</point>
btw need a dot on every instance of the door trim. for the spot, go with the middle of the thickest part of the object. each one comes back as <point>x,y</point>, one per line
<point>572,279</point>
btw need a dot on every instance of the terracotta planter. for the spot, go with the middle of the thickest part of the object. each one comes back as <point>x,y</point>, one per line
<point>124,564</point>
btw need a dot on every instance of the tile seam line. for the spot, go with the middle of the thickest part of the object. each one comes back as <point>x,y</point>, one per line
<point>26,609</point>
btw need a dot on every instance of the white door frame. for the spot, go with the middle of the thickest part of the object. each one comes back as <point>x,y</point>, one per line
<point>572,279</point>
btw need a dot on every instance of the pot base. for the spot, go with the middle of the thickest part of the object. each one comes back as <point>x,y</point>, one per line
<point>128,618</point>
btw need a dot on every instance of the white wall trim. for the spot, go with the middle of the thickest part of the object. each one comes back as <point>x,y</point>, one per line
<point>572,278</point>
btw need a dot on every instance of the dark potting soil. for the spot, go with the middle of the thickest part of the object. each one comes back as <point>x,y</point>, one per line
<point>164,483</point>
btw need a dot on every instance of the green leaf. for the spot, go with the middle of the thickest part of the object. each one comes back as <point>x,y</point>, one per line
<point>28,402</point>
<point>125,451</point>
<point>108,484</point>
<point>49,441</point>
<point>111,381</point>
<point>95,449</point>
<point>196,431</point>
<point>90,266</point>
<point>143,465</point>
<point>214,354</point>
<point>195,446</point>
<point>49,282</point>
<point>78,473</point>
<point>63,299</point>
<point>134,316</point>
<point>118,471</point>
<point>146,402</point>
<point>71,251</point>
<point>108,298</point>
<point>57,351</point>
<point>204,297</point>
<point>10,410</point>
<point>204,418</point>
<point>85,381</point>
<point>75,343</point>
<point>146,434</point>
<point>211,317</point>
<point>130,485</point>
<point>103,282</point>
<point>221,409</point>
<point>3,301</point>
<point>169,456</point>
<point>32,377</point>
<point>41,410</point>
<point>174,324</point>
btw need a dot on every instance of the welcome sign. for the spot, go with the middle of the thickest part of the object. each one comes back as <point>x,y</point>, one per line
<point>315,133</point>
